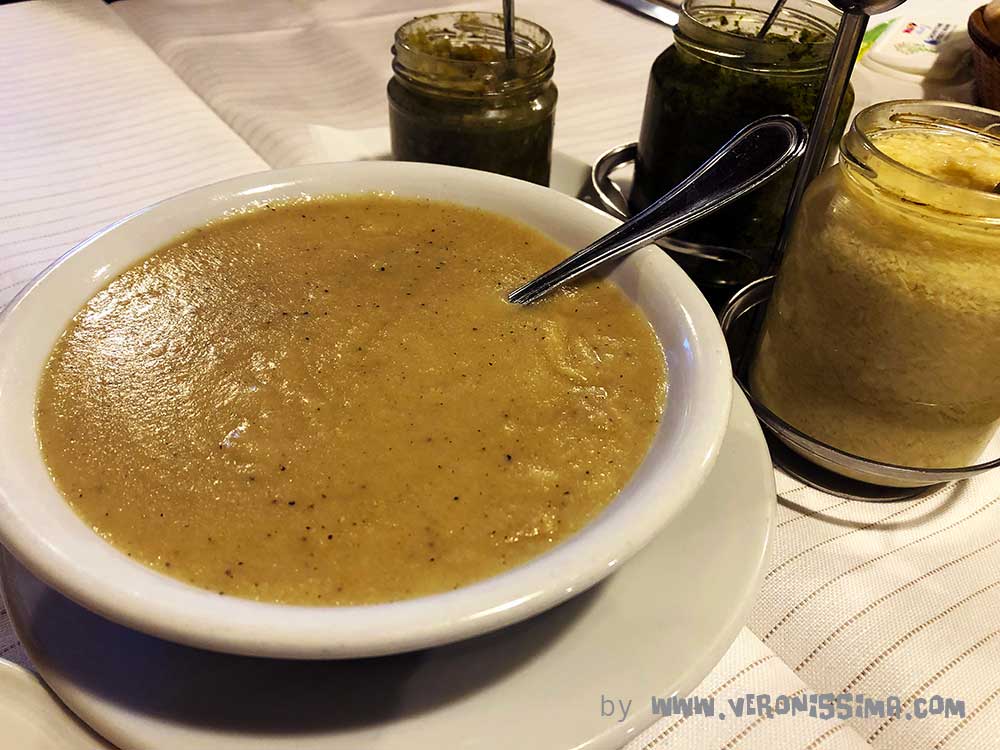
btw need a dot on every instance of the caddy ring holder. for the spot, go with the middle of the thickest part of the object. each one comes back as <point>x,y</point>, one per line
<point>615,202</point>
<point>804,457</point>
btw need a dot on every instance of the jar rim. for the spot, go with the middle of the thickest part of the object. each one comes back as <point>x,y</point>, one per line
<point>860,147</point>
<point>528,36</point>
<point>769,54</point>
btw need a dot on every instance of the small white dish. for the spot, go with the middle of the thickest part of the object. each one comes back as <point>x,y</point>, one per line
<point>38,526</point>
<point>657,626</point>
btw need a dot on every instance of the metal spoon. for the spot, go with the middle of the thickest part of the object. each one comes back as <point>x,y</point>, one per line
<point>751,158</point>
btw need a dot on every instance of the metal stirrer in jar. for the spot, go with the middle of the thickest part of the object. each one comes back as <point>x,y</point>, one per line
<point>508,28</point>
<point>845,52</point>
<point>771,18</point>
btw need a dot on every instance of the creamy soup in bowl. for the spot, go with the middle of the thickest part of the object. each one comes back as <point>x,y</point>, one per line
<point>331,402</point>
<point>309,425</point>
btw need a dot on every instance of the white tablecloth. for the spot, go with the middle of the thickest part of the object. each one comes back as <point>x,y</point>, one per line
<point>883,600</point>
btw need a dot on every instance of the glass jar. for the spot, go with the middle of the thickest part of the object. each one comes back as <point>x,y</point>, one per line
<point>882,338</point>
<point>715,79</point>
<point>455,98</point>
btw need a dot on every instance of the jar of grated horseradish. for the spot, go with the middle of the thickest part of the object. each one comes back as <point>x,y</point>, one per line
<point>882,338</point>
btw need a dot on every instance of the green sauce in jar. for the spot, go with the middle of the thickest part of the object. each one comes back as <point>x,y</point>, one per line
<point>716,79</point>
<point>455,98</point>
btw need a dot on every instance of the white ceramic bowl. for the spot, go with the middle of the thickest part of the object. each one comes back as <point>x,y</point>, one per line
<point>39,527</point>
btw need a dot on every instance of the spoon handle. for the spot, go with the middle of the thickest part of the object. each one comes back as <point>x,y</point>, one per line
<point>751,158</point>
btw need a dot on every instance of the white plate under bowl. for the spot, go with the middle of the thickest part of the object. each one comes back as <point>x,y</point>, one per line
<point>657,626</point>
<point>39,527</point>
<point>31,718</point>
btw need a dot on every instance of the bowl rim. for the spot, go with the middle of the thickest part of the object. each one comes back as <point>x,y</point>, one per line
<point>183,613</point>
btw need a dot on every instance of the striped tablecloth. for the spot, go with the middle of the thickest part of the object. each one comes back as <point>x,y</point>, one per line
<point>107,109</point>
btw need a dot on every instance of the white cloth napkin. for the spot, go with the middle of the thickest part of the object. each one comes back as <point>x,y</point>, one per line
<point>277,71</point>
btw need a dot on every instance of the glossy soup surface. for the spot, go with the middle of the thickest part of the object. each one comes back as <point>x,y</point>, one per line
<point>331,402</point>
